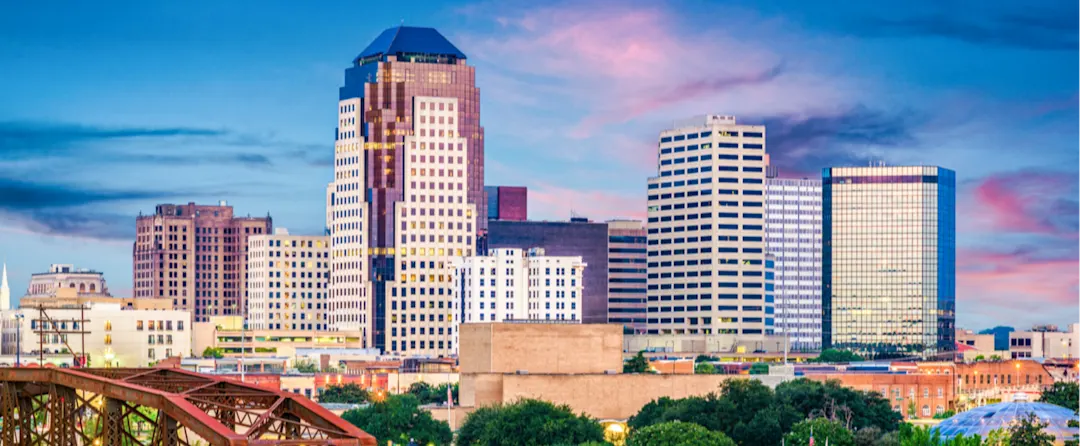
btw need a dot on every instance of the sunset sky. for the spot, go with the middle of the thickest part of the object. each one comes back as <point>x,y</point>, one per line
<point>106,111</point>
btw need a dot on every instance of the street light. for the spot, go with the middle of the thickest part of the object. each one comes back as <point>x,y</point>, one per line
<point>18,338</point>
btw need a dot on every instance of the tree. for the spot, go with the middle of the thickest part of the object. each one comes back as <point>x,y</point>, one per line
<point>833,355</point>
<point>759,369</point>
<point>399,418</point>
<point>428,394</point>
<point>213,352</point>
<point>995,358</point>
<point>1064,394</point>
<point>705,358</point>
<point>823,430</point>
<point>752,414</point>
<point>677,433</point>
<point>349,393</point>
<point>980,358</point>
<point>703,368</point>
<point>944,415</point>
<point>1029,432</point>
<point>870,436</point>
<point>305,366</point>
<point>637,364</point>
<point>528,422</point>
<point>813,398</point>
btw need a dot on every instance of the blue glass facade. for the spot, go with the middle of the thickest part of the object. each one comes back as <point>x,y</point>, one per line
<point>889,260</point>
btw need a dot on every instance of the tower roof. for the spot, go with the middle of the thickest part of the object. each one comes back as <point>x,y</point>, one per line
<point>411,40</point>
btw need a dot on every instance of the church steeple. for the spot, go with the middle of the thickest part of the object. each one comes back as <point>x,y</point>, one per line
<point>5,291</point>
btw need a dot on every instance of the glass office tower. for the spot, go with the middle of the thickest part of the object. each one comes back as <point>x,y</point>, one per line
<point>889,260</point>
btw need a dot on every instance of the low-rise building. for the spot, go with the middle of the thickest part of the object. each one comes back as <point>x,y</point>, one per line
<point>1045,342</point>
<point>927,394</point>
<point>109,334</point>
<point>83,281</point>
<point>228,334</point>
<point>511,284</point>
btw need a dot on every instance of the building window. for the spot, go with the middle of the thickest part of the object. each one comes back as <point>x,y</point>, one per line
<point>138,325</point>
<point>108,325</point>
<point>926,410</point>
<point>150,353</point>
<point>108,339</point>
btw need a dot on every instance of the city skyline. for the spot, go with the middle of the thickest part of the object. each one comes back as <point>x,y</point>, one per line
<point>94,133</point>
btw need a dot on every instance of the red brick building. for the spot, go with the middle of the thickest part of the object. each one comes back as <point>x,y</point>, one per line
<point>195,255</point>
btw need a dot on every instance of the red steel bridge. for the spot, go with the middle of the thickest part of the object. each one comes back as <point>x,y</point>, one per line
<point>159,406</point>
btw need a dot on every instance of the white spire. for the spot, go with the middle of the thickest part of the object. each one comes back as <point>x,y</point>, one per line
<point>5,291</point>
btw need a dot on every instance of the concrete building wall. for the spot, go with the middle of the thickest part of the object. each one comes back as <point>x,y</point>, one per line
<point>575,238</point>
<point>540,348</point>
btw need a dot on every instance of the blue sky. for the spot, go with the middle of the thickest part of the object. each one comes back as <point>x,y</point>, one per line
<point>106,110</point>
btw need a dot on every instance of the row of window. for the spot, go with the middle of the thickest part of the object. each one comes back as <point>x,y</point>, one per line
<point>706,134</point>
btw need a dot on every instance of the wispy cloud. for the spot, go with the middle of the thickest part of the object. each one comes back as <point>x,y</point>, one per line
<point>611,65</point>
<point>113,145</point>
<point>549,202</point>
<point>71,210</point>
<point>1032,28</point>
<point>1040,202</point>
<point>803,144</point>
<point>1006,285</point>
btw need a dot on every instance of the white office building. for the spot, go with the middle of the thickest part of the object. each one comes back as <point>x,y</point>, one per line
<point>511,284</point>
<point>793,235</point>
<point>706,231</point>
<point>288,285</point>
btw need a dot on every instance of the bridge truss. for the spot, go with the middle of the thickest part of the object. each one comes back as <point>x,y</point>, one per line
<point>160,406</point>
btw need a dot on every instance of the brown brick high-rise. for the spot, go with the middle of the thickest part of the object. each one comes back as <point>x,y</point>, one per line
<point>195,255</point>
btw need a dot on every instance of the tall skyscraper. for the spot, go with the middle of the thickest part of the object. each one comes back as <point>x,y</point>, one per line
<point>507,203</point>
<point>889,259</point>
<point>288,282</point>
<point>195,255</point>
<point>706,231</point>
<point>627,273</point>
<point>408,191</point>
<point>793,235</point>
<point>576,238</point>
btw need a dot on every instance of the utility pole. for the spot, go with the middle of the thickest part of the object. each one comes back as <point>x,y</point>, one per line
<point>82,328</point>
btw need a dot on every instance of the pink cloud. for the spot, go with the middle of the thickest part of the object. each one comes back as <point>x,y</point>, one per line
<point>1028,201</point>
<point>1001,286</point>
<point>548,202</point>
<point>621,63</point>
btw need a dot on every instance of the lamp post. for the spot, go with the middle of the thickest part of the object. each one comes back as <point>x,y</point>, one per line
<point>1017,374</point>
<point>18,338</point>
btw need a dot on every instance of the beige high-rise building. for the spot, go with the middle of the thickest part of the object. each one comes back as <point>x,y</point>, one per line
<point>706,248</point>
<point>288,283</point>
<point>195,255</point>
